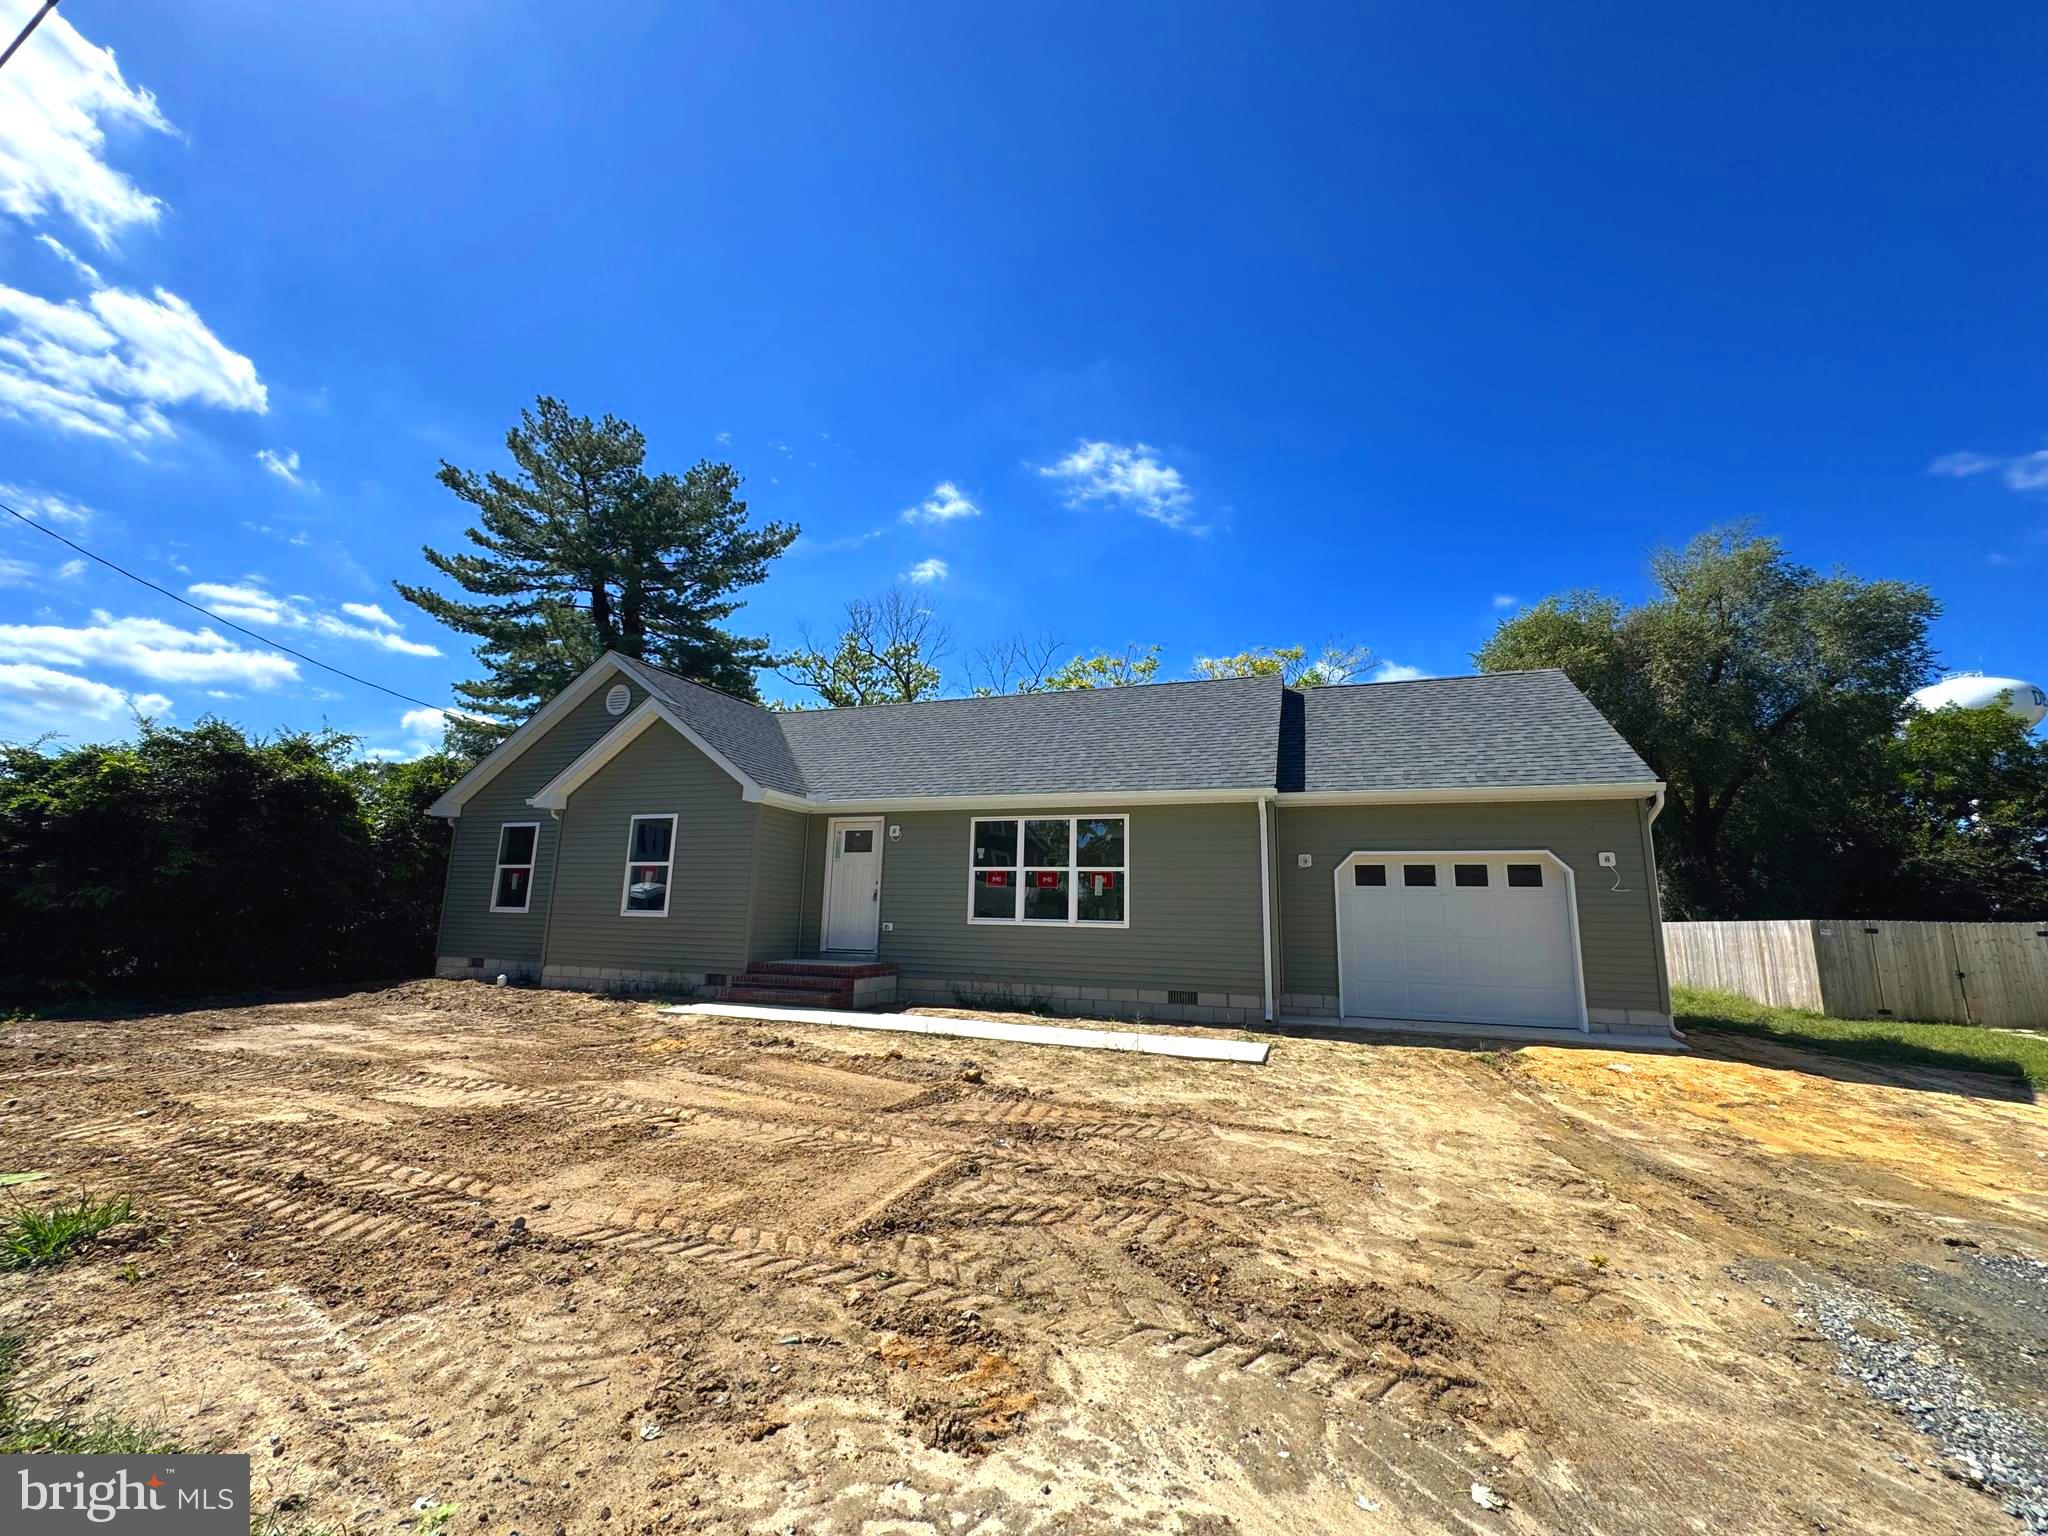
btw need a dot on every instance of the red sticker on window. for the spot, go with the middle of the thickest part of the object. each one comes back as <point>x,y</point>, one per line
<point>997,877</point>
<point>1047,879</point>
<point>1102,882</point>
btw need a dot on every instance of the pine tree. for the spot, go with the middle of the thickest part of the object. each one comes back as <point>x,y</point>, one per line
<point>582,551</point>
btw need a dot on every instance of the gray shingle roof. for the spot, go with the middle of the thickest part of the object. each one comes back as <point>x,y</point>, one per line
<point>1501,729</point>
<point>1504,729</point>
<point>1212,735</point>
<point>748,734</point>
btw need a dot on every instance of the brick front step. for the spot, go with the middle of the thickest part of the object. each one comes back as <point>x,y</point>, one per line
<point>786,997</point>
<point>793,981</point>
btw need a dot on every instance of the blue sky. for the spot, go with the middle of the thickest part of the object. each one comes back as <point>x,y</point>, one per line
<point>1210,327</point>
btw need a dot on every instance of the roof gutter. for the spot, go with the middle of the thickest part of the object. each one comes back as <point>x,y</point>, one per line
<point>1478,793</point>
<point>1263,795</point>
<point>1064,800</point>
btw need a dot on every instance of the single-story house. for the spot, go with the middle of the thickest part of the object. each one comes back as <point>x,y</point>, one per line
<point>1470,850</point>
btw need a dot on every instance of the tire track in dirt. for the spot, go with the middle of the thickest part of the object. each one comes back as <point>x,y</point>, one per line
<point>372,1374</point>
<point>248,1175</point>
<point>798,1135</point>
<point>318,1354</point>
<point>909,1267</point>
<point>1330,1364</point>
<point>1060,1121</point>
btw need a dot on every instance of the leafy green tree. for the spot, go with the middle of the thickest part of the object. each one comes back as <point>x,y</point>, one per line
<point>1132,665</point>
<point>1763,692</point>
<point>1335,663</point>
<point>581,551</point>
<point>888,651</point>
<point>1963,837</point>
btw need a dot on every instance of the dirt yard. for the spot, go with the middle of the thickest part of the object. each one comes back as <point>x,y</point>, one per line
<point>571,1264</point>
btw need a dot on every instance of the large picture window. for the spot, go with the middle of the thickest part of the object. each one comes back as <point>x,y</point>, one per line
<point>1049,869</point>
<point>650,855</point>
<point>512,880</point>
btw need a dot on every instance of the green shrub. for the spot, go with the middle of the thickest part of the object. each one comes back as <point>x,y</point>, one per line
<point>205,860</point>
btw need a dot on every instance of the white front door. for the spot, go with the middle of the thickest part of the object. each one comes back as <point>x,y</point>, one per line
<point>853,883</point>
<point>1470,938</point>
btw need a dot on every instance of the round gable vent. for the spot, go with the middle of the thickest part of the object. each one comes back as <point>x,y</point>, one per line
<point>616,701</point>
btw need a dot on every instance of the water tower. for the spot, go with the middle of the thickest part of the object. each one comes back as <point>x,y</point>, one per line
<point>1973,690</point>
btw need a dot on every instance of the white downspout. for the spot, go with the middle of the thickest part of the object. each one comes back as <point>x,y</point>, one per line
<point>1266,908</point>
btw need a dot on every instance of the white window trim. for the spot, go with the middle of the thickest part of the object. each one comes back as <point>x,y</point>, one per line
<point>1074,871</point>
<point>499,867</point>
<point>668,886</point>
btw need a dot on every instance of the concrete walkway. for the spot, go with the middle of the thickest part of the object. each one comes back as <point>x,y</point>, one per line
<point>1189,1047</point>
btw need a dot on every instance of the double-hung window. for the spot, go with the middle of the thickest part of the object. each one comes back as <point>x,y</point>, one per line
<point>512,880</point>
<point>650,855</point>
<point>1049,869</point>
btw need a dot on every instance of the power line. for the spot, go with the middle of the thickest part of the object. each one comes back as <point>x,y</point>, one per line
<point>22,36</point>
<point>276,645</point>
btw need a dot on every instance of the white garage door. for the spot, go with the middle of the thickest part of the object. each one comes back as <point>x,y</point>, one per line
<point>1467,938</point>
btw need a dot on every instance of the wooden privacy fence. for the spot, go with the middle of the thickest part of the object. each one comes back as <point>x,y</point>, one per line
<point>1994,974</point>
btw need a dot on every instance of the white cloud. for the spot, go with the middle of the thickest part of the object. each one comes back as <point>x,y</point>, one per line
<point>41,504</point>
<point>946,504</point>
<point>105,367</point>
<point>927,571</point>
<point>58,97</point>
<point>1395,672</point>
<point>110,365</point>
<point>71,570</point>
<point>250,602</point>
<point>283,465</point>
<point>424,722</point>
<point>1505,600</point>
<point>2019,471</point>
<point>806,545</point>
<point>424,731</point>
<point>70,258</point>
<point>150,648</point>
<point>724,438</point>
<point>1129,475</point>
<point>341,629</point>
<point>16,573</point>
<point>26,688</point>
<point>247,603</point>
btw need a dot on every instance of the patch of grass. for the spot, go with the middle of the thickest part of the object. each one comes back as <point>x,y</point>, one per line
<point>1889,1042</point>
<point>21,1433</point>
<point>31,1238</point>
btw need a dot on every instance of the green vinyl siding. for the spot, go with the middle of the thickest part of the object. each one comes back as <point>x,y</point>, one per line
<point>1619,936</point>
<point>1193,905</point>
<point>468,925</point>
<point>710,881</point>
<point>779,851</point>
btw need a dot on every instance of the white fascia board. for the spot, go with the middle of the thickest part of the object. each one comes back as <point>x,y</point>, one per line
<point>554,795</point>
<point>507,751</point>
<point>1475,794</point>
<point>1112,799</point>
<point>999,804</point>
